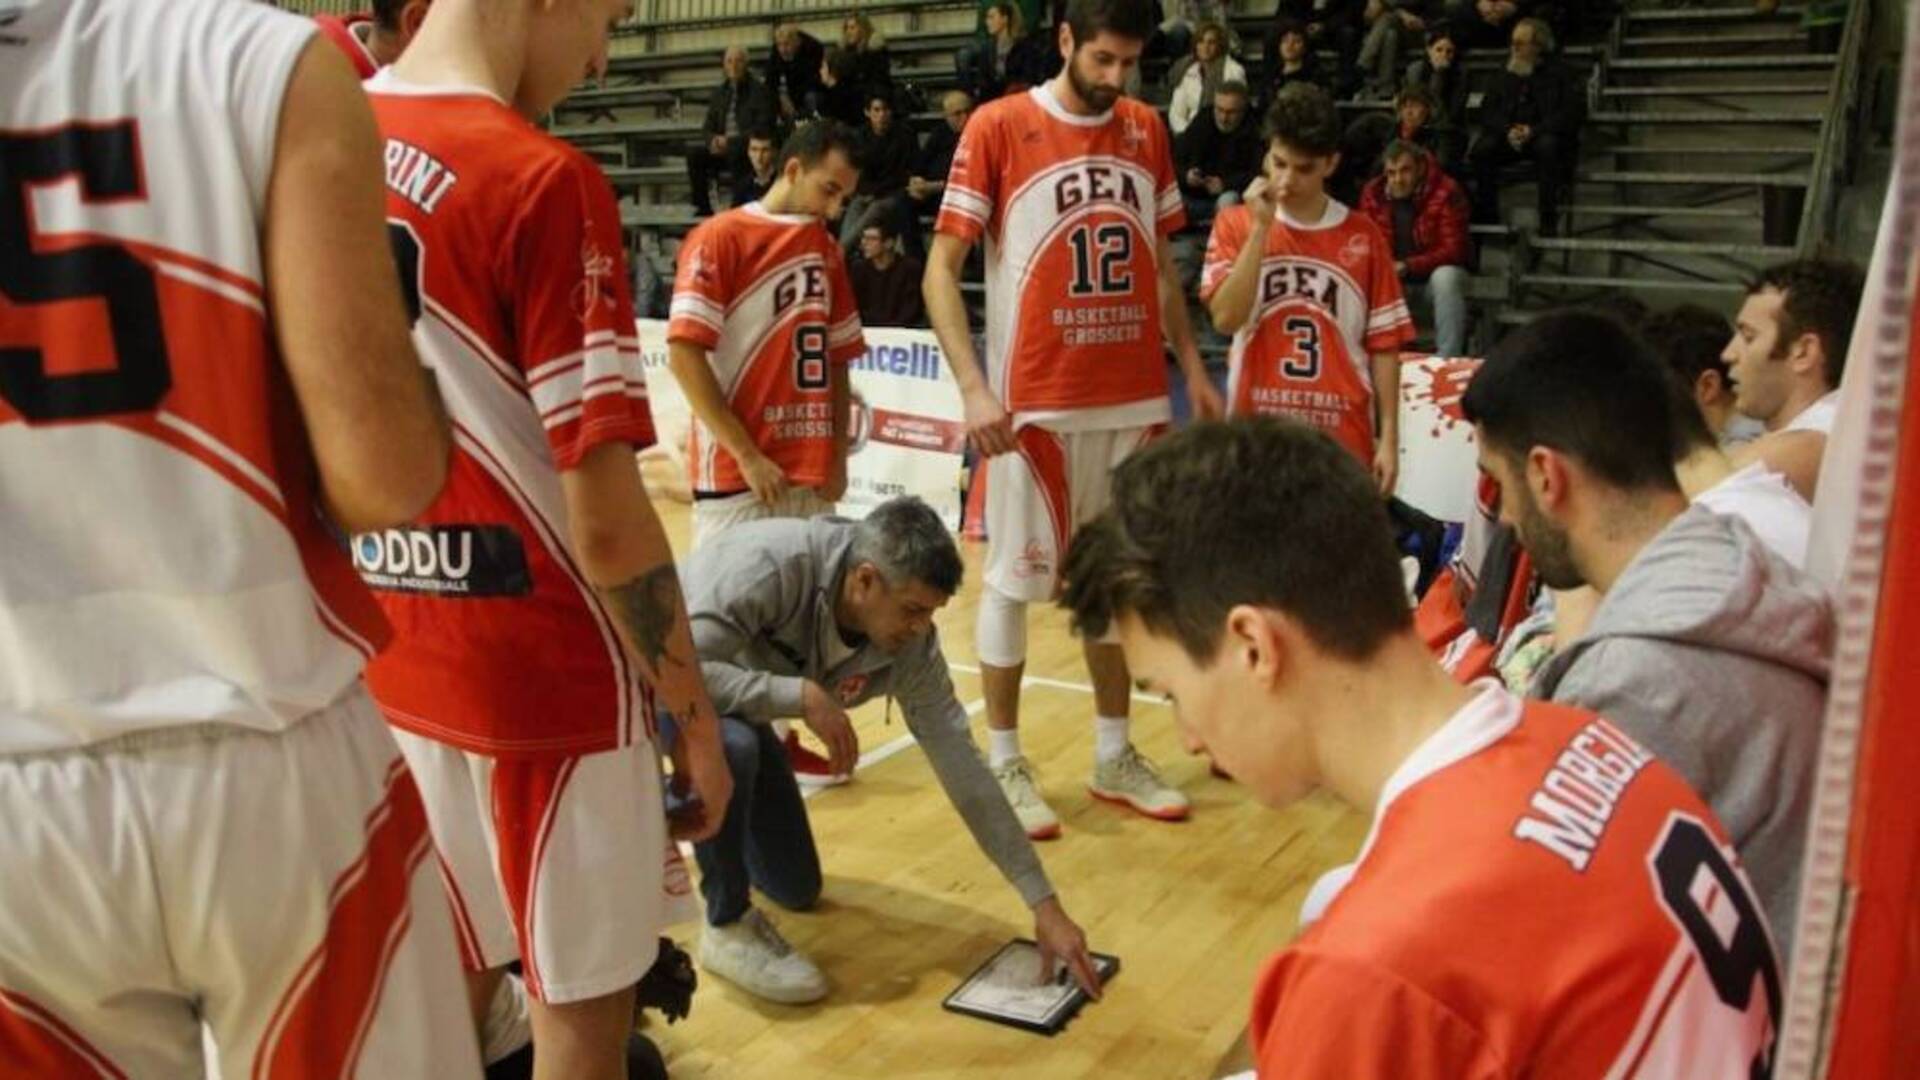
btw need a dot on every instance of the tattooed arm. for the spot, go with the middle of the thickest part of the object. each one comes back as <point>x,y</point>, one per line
<point>624,553</point>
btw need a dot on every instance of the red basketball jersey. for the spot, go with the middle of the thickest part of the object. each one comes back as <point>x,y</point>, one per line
<point>510,244</point>
<point>1538,897</point>
<point>1327,300</point>
<point>767,296</point>
<point>1072,209</point>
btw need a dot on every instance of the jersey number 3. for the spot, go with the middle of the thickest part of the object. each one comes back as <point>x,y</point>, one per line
<point>1305,361</point>
<point>106,162</point>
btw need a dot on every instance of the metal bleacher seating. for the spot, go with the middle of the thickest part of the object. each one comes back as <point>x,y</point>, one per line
<point>1715,140</point>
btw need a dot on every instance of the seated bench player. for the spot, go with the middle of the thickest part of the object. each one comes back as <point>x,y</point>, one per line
<point>1537,895</point>
<point>804,619</point>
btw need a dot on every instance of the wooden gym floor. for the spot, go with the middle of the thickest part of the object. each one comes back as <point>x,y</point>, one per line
<point>911,906</point>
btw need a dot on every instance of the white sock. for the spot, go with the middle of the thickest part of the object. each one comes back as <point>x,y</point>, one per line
<point>1002,746</point>
<point>1109,737</point>
<point>508,1028</point>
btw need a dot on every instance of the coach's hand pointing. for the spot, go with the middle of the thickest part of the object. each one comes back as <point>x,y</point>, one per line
<point>1061,939</point>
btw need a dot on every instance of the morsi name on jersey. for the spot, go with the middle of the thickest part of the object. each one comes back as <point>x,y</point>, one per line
<point>1576,799</point>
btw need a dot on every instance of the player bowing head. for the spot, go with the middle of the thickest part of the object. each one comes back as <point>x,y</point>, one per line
<point>817,171</point>
<point>1249,571</point>
<point>1101,42</point>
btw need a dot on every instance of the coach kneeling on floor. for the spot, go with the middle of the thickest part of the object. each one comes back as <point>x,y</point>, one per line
<point>803,619</point>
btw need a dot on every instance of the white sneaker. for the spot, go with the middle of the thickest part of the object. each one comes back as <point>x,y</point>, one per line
<point>1023,794</point>
<point>752,955</point>
<point>1131,780</point>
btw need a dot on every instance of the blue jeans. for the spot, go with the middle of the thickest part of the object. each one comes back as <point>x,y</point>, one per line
<point>765,842</point>
<point>1446,290</point>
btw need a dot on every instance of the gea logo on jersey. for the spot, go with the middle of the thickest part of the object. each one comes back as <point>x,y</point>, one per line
<point>452,561</point>
<point>1300,279</point>
<point>1096,183</point>
<point>808,282</point>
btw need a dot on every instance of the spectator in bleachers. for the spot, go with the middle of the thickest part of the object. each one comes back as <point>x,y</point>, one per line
<point>1338,25</point>
<point>1006,59</point>
<point>1292,61</point>
<point>1706,647</point>
<point>1531,112</point>
<point>1787,354</point>
<point>739,104</point>
<point>1688,339</point>
<point>1364,144</point>
<point>1219,154</point>
<point>1488,24</point>
<point>1443,72</point>
<point>886,283</point>
<point>872,63</point>
<point>928,184</point>
<point>793,70</point>
<point>750,183</point>
<point>1423,213</point>
<point>1692,338</point>
<point>1183,21</point>
<point>1196,77</point>
<point>885,155</point>
<point>840,96</point>
<point>1394,27</point>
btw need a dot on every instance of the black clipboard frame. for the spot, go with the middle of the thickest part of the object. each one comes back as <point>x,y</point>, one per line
<point>1105,964</point>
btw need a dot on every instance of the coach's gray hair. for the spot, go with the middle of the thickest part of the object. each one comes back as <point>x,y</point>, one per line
<point>906,541</point>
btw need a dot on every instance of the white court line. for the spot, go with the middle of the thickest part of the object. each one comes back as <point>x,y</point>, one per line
<point>1058,684</point>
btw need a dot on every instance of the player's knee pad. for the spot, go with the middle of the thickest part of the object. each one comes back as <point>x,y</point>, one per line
<point>1001,635</point>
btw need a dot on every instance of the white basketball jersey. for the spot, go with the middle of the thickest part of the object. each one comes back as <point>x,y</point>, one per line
<point>162,557</point>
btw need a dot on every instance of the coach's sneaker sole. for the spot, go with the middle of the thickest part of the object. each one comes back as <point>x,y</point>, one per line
<point>752,955</point>
<point>1023,794</point>
<point>1130,780</point>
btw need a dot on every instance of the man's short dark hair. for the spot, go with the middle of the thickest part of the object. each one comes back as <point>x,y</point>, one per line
<point>841,62</point>
<point>1130,19</point>
<point>386,13</point>
<point>879,95</point>
<point>879,223</point>
<point>1304,118</point>
<point>1583,384</point>
<point>1821,295</point>
<point>764,135</point>
<point>1689,339</point>
<point>1252,511</point>
<point>814,140</point>
<point>1282,27</point>
<point>1442,30</point>
<point>906,541</point>
<point>1416,92</point>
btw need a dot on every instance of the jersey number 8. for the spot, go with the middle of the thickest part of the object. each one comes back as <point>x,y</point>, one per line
<point>810,371</point>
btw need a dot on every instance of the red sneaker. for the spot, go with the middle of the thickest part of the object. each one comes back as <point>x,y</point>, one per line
<point>809,767</point>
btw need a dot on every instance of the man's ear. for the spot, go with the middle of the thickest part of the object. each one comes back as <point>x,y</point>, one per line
<point>1255,643</point>
<point>1549,478</point>
<point>1066,42</point>
<point>1807,354</point>
<point>1708,387</point>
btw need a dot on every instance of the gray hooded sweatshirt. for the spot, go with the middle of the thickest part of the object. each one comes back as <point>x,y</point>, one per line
<point>1713,652</point>
<point>761,595</point>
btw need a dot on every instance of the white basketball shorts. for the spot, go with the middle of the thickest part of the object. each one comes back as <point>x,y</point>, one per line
<point>562,863</point>
<point>278,887</point>
<point>1050,485</point>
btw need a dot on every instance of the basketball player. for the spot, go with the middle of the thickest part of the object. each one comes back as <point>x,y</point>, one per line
<point>1786,356</point>
<point>1072,188</point>
<point>1537,896</point>
<point>527,723</point>
<point>1308,290</point>
<point>206,823</point>
<point>762,327</point>
<point>373,39</point>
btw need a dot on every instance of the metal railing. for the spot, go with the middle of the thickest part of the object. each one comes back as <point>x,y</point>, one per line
<point>1833,154</point>
<point>322,7</point>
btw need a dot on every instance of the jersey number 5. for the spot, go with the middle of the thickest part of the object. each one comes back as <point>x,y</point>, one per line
<point>1100,257</point>
<point>106,162</point>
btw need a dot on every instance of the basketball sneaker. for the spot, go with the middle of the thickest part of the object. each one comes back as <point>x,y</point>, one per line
<point>752,955</point>
<point>809,767</point>
<point>1131,780</point>
<point>1023,794</point>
